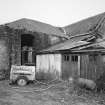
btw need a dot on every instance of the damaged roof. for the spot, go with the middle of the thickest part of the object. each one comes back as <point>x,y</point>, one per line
<point>82,33</point>
<point>85,26</point>
<point>69,44</point>
<point>79,33</point>
<point>97,45</point>
<point>79,46</point>
<point>79,28</point>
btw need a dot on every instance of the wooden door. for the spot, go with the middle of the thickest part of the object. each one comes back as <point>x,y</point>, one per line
<point>74,65</point>
<point>69,66</point>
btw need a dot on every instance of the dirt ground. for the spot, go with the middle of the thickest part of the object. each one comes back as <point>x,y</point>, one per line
<point>36,94</point>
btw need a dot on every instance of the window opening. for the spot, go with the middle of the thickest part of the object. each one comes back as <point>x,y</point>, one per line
<point>74,58</point>
<point>93,57</point>
<point>66,58</point>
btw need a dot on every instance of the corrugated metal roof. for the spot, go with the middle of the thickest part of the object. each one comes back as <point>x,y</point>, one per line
<point>69,44</point>
<point>76,46</point>
<point>98,45</point>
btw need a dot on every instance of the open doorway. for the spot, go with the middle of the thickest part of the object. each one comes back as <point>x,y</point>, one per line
<point>27,44</point>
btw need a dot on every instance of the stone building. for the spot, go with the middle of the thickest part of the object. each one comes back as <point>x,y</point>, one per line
<point>20,40</point>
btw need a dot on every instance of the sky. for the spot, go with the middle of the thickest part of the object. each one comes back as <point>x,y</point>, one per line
<point>54,12</point>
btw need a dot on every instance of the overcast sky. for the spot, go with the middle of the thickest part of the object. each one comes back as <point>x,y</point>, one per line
<point>54,12</point>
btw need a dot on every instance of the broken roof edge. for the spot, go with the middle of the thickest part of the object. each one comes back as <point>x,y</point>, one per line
<point>69,48</point>
<point>89,51</point>
<point>87,33</point>
<point>94,27</point>
<point>99,43</point>
<point>78,48</point>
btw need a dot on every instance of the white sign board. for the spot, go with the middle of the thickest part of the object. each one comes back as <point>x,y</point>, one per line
<point>28,71</point>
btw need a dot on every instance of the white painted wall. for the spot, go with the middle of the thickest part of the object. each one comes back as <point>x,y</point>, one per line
<point>49,63</point>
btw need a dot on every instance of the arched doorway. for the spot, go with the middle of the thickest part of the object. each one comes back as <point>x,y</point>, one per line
<point>27,45</point>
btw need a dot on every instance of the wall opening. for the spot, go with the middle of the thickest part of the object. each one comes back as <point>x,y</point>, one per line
<point>27,53</point>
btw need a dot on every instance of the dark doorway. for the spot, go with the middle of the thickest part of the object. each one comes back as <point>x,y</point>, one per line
<point>27,45</point>
<point>27,40</point>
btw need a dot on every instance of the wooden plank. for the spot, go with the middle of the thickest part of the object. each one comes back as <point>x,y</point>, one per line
<point>49,63</point>
<point>79,61</point>
<point>84,66</point>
